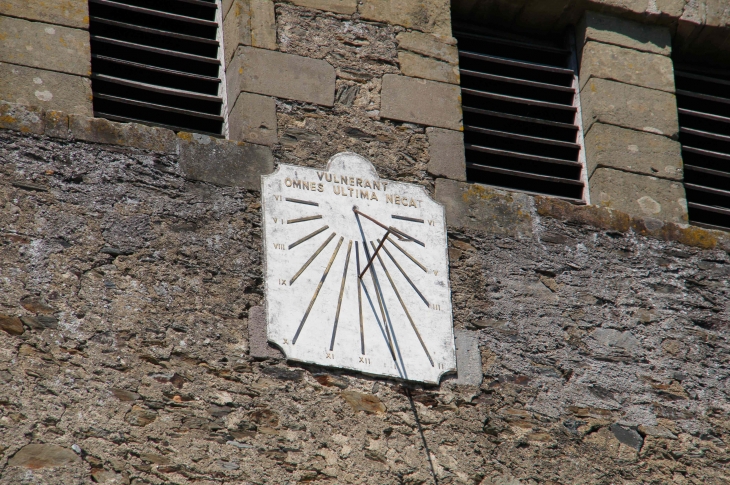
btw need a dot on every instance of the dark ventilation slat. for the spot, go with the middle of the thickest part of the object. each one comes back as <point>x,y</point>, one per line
<point>709,190</point>
<point>706,97</point>
<point>545,178</point>
<point>512,62</point>
<point>517,136</point>
<point>156,13</point>
<point>513,43</point>
<point>141,28</point>
<point>525,119</point>
<point>708,116</point>
<point>716,173</point>
<point>709,208</point>
<point>706,134</point>
<point>707,153</point>
<point>157,69</point>
<point>701,78</point>
<point>513,99</point>
<point>160,107</point>
<point>157,89</point>
<point>157,63</point>
<point>525,82</point>
<point>157,50</point>
<point>520,104</point>
<point>526,156</point>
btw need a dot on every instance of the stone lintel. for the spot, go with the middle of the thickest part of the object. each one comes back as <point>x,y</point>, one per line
<point>281,75</point>
<point>100,130</point>
<point>224,162</point>
<point>628,66</point>
<point>639,195</point>
<point>421,101</point>
<point>45,46</point>
<point>633,151</point>
<point>628,106</point>
<point>236,28</point>
<point>485,209</point>
<point>446,152</point>
<point>625,33</point>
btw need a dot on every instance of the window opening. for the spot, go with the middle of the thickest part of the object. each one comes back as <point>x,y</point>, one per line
<point>158,62</point>
<point>703,101</point>
<point>522,119</point>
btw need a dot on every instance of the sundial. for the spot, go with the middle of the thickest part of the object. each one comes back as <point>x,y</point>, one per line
<point>357,271</point>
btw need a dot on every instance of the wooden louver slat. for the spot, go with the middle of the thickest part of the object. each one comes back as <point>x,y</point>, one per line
<point>158,63</point>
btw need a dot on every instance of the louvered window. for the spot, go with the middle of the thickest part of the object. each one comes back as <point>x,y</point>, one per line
<point>703,98</point>
<point>158,62</point>
<point>522,127</point>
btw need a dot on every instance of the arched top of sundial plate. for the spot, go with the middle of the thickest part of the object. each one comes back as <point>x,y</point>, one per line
<point>349,162</point>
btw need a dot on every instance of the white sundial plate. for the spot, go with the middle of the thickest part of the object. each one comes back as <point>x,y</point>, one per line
<point>396,321</point>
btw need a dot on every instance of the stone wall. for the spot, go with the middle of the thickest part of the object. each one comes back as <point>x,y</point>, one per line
<point>45,57</point>
<point>129,290</point>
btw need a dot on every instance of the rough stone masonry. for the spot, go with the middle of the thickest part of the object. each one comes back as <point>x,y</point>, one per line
<point>127,289</point>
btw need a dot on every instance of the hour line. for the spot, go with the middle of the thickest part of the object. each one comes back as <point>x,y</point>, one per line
<point>308,236</point>
<point>300,201</point>
<point>405,275</point>
<point>409,219</point>
<point>415,329</point>
<point>303,219</point>
<point>316,292</point>
<point>376,286</point>
<point>407,254</point>
<point>359,299</point>
<point>309,261</point>
<point>339,300</point>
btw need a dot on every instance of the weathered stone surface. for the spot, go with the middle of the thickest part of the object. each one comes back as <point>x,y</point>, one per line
<point>639,195</point>
<point>438,47</point>
<point>43,456</point>
<point>124,395</point>
<point>71,13</point>
<point>420,101</point>
<point>36,44</point>
<point>40,322</point>
<point>224,162</point>
<point>282,75</point>
<point>11,325</point>
<point>628,66</point>
<point>625,33</point>
<point>236,27</point>
<point>253,119</point>
<point>263,24</point>
<point>25,119</point>
<point>494,211</point>
<point>468,358</point>
<point>415,65</point>
<point>633,151</point>
<point>100,130</point>
<point>56,124</point>
<point>627,436</point>
<point>45,89</point>
<point>446,152</point>
<point>425,15</point>
<point>139,416</point>
<point>363,402</point>
<point>258,344</point>
<point>620,104</point>
<point>339,6</point>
